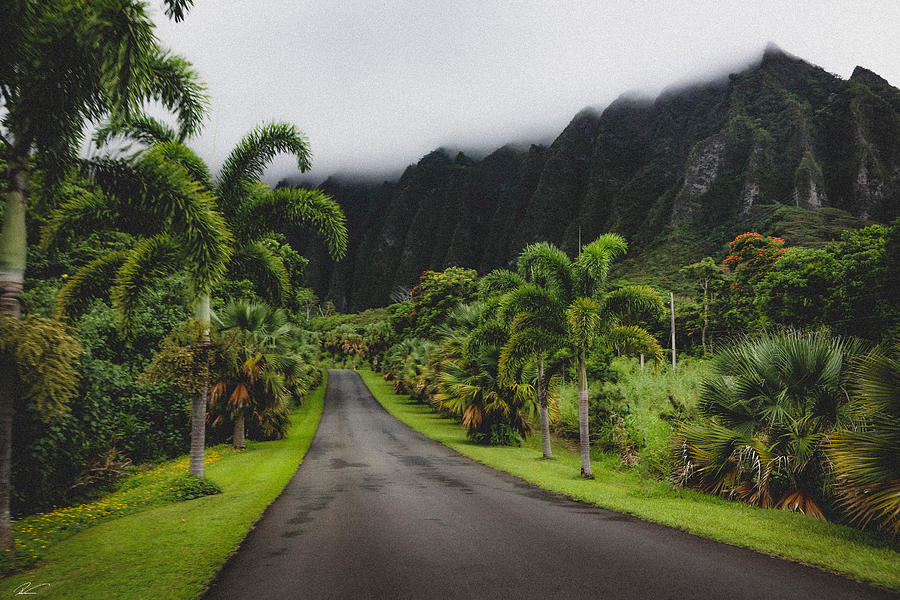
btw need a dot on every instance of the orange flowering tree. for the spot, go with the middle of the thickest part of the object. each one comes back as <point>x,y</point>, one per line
<point>752,255</point>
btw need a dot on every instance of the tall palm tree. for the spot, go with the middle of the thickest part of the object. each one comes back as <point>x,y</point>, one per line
<point>177,226</point>
<point>64,63</point>
<point>570,307</point>
<point>867,459</point>
<point>504,282</point>
<point>244,202</point>
<point>768,409</point>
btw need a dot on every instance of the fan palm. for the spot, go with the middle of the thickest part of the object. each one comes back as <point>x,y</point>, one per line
<point>257,384</point>
<point>469,386</point>
<point>63,64</point>
<point>568,306</point>
<point>768,409</point>
<point>867,460</point>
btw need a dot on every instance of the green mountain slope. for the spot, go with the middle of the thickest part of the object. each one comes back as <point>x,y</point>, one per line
<point>782,147</point>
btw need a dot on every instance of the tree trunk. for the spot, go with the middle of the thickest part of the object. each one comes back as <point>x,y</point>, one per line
<point>545,411</point>
<point>13,243</point>
<point>672,306</point>
<point>237,440</point>
<point>705,318</point>
<point>198,407</point>
<point>13,250</point>
<point>583,430</point>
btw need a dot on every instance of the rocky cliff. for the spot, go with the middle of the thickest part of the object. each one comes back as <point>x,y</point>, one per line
<point>684,172</point>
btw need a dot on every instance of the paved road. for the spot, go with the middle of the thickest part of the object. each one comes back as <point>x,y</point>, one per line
<point>379,511</point>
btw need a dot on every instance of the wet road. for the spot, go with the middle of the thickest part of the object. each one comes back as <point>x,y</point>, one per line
<point>378,511</point>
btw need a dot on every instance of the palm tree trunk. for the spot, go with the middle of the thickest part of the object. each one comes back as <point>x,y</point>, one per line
<point>237,439</point>
<point>583,430</point>
<point>198,407</point>
<point>13,243</point>
<point>545,411</point>
<point>13,250</point>
<point>705,319</point>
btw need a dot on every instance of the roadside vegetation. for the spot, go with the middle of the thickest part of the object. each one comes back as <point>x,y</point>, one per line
<point>780,414</point>
<point>150,539</point>
<point>838,548</point>
<point>150,305</point>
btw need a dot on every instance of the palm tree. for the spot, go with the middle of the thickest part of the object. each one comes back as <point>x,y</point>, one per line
<point>769,407</point>
<point>504,282</point>
<point>63,64</point>
<point>469,387</point>
<point>252,210</point>
<point>865,459</point>
<point>257,384</point>
<point>246,203</point>
<point>177,226</point>
<point>571,308</point>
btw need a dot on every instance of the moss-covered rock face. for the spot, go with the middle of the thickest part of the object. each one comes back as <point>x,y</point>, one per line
<point>686,171</point>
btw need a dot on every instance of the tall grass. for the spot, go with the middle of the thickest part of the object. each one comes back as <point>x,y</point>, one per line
<point>649,402</point>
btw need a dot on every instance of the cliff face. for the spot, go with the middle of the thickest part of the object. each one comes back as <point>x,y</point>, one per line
<point>698,164</point>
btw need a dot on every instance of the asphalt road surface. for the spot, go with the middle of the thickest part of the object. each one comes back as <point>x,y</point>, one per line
<point>377,510</point>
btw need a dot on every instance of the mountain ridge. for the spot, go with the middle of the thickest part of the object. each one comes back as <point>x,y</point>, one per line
<point>687,170</point>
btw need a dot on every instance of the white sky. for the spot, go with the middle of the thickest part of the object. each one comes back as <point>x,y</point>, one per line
<point>376,85</point>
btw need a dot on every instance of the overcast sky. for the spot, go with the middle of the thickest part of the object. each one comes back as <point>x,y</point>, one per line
<point>376,85</point>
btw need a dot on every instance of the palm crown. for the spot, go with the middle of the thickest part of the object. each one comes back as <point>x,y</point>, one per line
<point>567,305</point>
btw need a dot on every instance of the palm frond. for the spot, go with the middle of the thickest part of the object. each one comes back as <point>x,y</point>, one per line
<point>498,282</point>
<point>151,259</point>
<point>583,317</point>
<point>532,305</point>
<point>82,214</point>
<point>547,266</point>
<point>176,9</point>
<point>592,266</point>
<point>631,339</point>
<point>89,282</point>
<point>634,303</point>
<point>190,210</point>
<point>276,209</point>
<point>248,159</point>
<point>174,84</point>
<point>179,153</point>
<point>256,262</point>
<point>141,128</point>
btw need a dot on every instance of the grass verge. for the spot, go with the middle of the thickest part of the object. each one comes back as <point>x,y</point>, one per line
<point>829,546</point>
<point>171,550</point>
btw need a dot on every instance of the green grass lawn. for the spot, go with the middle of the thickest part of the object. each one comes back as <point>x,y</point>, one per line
<point>789,535</point>
<point>165,551</point>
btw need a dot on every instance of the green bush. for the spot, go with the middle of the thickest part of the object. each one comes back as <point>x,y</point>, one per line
<point>188,487</point>
<point>500,434</point>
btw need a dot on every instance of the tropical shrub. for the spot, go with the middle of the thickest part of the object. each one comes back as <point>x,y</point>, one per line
<point>866,459</point>
<point>766,413</point>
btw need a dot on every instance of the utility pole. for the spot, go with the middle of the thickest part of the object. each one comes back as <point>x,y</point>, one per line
<point>672,307</point>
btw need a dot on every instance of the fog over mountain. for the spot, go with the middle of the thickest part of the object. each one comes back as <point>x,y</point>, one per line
<point>378,86</point>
